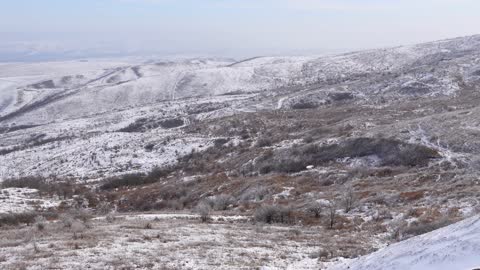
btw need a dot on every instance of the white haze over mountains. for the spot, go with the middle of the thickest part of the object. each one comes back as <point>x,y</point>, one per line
<point>62,30</point>
<point>49,50</point>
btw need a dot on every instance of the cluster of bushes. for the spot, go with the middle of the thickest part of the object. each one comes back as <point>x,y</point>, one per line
<point>274,214</point>
<point>170,196</point>
<point>64,189</point>
<point>391,152</point>
<point>149,147</point>
<point>75,217</point>
<point>340,96</point>
<point>128,180</point>
<point>220,202</point>
<point>144,124</point>
<point>28,218</point>
<point>17,219</point>
<point>38,141</point>
<point>264,142</point>
<point>136,179</point>
<point>6,151</point>
<point>42,140</point>
<point>404,230</point>
<point>35,182</point>
<point>205,161</point>
<point>220,142</point>
<point>304,105</point>
<point>12,128</point>
<point>171,123</point>
<point>176,197</point>
<point>256,193</point>
<point>326,211</point>
<point>204,108</point>
<point>39,219</point>
<point>137,126</point>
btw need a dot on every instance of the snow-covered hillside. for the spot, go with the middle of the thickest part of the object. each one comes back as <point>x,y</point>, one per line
<point>454,247</point>
<point>55,115</point>
<point>72,89</point>
<point>345,154</point>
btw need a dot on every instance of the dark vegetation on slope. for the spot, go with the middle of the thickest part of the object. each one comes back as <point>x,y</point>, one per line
<point>34,141</point>
<point>389,151</point>
<point>64,188</point>
<point>145,124</point>
<point>15,128</point>
<point>137,179</point>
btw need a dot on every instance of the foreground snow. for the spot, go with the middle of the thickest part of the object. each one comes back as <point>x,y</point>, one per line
<point>167,243</point>
<point>453,247</point>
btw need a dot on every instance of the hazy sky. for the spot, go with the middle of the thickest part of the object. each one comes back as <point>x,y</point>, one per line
<point>231,27</point>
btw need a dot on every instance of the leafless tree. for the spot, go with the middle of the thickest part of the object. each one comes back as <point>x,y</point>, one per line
<point>348,199</point>
<point>203,209</point>
<point>332,213</point>
<point>315,209</point>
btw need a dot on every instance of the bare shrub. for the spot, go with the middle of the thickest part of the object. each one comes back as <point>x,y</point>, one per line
<point>397,227</point>
<point>203,209</point>
<point>110,218</point>
<point>17,218</point>
<point>221,202</point>
<point>78,227</point>
<point>421,227</point>
<point>382,214</point>
<point>315,209</point>
<point>75,218</point>
<point>66,220</point>
<point>40,223</point>
<point>348,199</point>
<point>257,193</point>
<point>332,213</point>
<point>36,249</point>
<point>273,214</point>
<point>103,208</point>
<point>82,215</point>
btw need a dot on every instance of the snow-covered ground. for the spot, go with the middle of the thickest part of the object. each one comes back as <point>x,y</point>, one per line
<point>166,216</point>
<point>161,243</point>
<point>454,247</point>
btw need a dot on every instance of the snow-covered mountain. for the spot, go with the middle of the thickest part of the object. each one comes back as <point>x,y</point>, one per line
<point>68,89</point>
<point>66,117</point>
